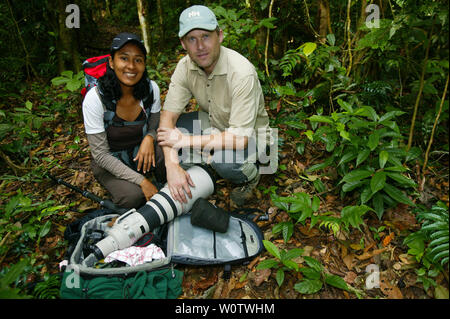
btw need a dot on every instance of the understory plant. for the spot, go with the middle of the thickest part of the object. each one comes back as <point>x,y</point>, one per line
<point>368,152</point>
<point>314,276</point>
<point>301,208</point>
<point>430,244</point>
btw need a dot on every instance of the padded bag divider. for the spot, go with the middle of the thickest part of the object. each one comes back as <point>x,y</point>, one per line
<point>199,246</point>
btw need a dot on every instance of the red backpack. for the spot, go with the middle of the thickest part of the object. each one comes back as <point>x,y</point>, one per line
<point>93,68</point>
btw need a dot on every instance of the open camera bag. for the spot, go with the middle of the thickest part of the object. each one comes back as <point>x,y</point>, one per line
<point>181,242</point>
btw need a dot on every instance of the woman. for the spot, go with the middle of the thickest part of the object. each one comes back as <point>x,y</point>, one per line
<point>121,115</point>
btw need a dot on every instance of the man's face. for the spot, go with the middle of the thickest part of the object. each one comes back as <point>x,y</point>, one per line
<point>203,47</point>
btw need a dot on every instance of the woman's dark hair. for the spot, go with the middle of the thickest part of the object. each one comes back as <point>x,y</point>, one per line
<point>110,87</point>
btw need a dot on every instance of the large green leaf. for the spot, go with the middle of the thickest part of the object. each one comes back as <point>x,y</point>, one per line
<point>321,119</point>
<point>309,48</point>
<point>347,187</point>
<point>310,273</point>
<point>280,277</point>
<point>268,263</point>
<point>378,181</point>
<point>272,249</point>
<point>348,156</point>
<point>362,156</point>
<point>356,175</point>
<point>378,205</point>
<point>308,286</point>
<point>401,179</point>
<point>397,195</point>
<point>313,263</point>
<point>382,158</point>
<point>13,273</point>
<point>336,281</point>
<point>374,139</point>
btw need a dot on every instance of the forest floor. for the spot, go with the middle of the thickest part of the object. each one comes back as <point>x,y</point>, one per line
<point>347,255</point>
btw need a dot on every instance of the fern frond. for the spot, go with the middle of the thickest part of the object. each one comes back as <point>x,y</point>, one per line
<point>442,254</point>
<point>439,241</point>
<point>435,226</point>
<point>331,225</point>
<point>439,233</point>
<point>288,62</point>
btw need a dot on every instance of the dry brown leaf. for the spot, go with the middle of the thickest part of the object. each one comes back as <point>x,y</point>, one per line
<point>391,291</point>
<point>260,276</point>
<point>350,277</point>
<point>205,283</point>
<point>348,261</point>
<point>368,255</point>
<point>388,239</point>
<point>309,232</point>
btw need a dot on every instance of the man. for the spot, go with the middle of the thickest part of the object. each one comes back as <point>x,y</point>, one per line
<point>226,87</point>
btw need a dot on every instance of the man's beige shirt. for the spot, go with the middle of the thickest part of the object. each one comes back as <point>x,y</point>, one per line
<point>231,94</point>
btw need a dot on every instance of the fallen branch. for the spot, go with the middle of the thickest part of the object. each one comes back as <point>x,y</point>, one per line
<point>11,164</point>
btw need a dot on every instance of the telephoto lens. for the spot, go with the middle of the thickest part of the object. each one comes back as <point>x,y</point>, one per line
<point>160,209</point>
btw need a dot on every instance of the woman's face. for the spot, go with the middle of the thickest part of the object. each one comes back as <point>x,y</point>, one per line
<point>128,64</point>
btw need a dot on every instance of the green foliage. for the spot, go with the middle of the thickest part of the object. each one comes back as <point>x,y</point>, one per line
<point>282,261</point>
<point>48,289</point>
<point>430,244</point>
<point>8,292</point>
<point>314,274</point>
<point>300,207</point>
<point>26,221</point>
<point>72,82</point>
<point>315,277</point>
<point>239,29</point>
<point>367,151</point>
<point>24,126</point>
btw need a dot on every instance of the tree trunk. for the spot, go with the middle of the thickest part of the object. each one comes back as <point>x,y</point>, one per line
<point>142,7</point>
<point>162,35</point>
<point>67,41</point>
<point>323,19</point>
<point>261,32</point>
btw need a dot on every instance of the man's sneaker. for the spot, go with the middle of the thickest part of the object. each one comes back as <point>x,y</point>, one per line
<point>240,195</point>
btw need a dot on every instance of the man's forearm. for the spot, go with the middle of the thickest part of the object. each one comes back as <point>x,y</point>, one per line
<point>168,120</point>
<point>222,140</point>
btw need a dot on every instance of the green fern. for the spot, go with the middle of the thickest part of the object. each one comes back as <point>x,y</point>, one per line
<point>48,289</point>
<point>436,227</point>
<point>290,59</point>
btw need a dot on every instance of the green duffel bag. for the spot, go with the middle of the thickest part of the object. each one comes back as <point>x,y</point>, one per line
<point>157,284</point>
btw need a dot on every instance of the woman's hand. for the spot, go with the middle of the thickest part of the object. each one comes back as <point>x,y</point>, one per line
<point>148,188</point>
<point>172,138</point>
<point>146,154</point>
<point>178,181</point>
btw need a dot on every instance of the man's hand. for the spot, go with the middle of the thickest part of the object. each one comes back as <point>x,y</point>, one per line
<point>178,181</point>
<point>146,154</point>
<point>148,189</point>
<point>172,137</point>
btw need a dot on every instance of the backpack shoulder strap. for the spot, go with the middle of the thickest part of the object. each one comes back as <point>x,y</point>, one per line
<point>148,101</point>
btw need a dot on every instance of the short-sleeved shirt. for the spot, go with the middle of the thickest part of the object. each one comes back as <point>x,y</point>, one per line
<point>231,94</point>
